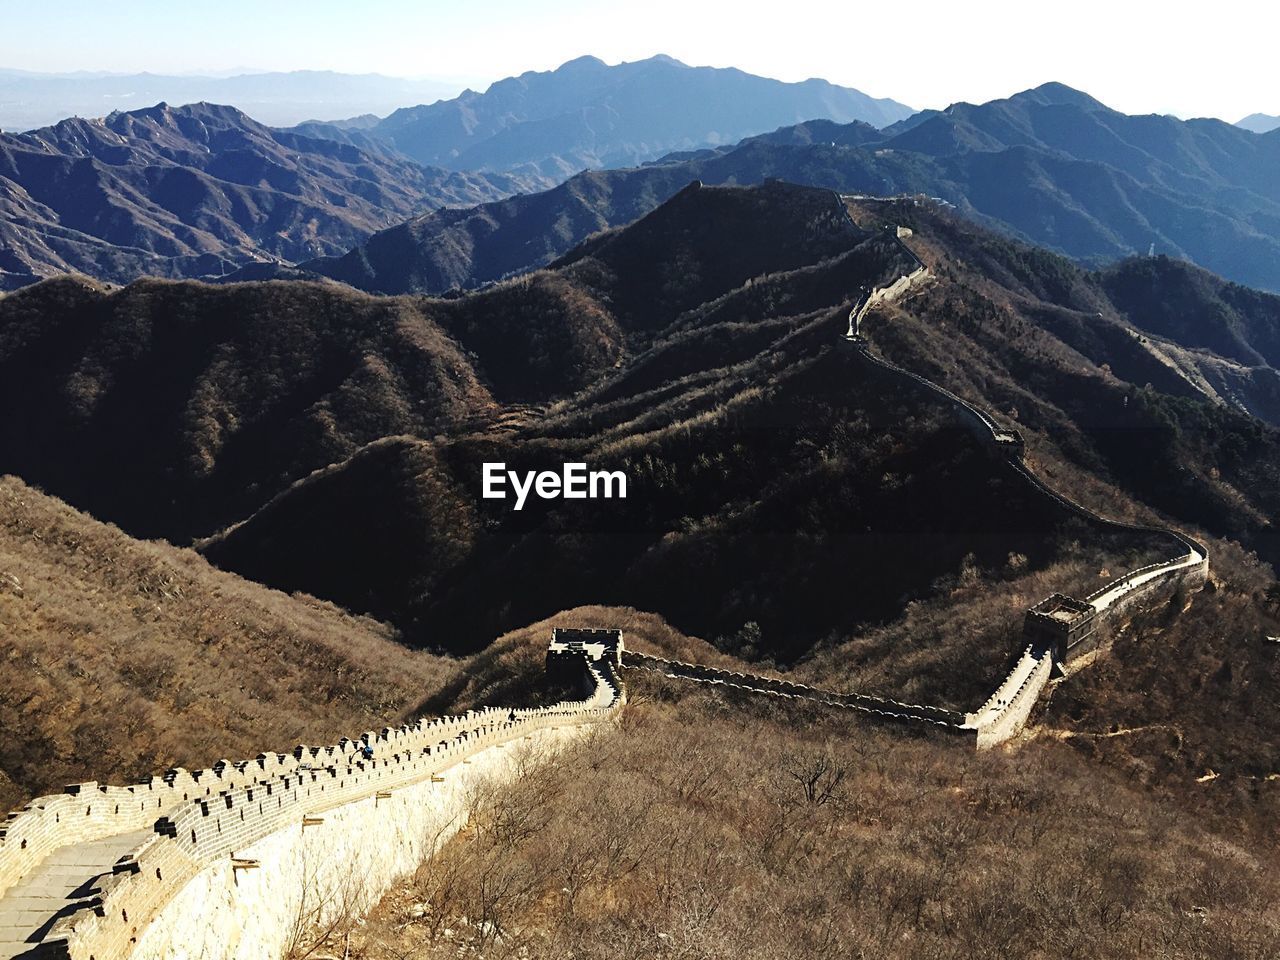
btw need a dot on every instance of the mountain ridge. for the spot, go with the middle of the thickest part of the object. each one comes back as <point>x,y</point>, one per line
<point>200,189</point>
<point>587,113</point>
<point>696,350</point>
<point>1051,166</point>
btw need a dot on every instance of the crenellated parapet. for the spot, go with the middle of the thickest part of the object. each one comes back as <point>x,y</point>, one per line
<point>210,817</point>
<point>930,718</point>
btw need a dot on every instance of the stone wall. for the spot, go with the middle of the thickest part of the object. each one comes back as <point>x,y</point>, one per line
<point>1011,717</point>
<point>923,716</point>
<point>313,871</point>
<point>90,811</point>
<point>214,839</point>
<point>1007,709</point>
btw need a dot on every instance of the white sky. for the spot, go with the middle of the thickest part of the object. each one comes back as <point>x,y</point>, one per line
<point>1202,59</point>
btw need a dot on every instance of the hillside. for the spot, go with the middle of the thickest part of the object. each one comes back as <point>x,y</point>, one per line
<point>466,248</point>
<point>1050,166</point>
<point>780,831</point>
<point>589,114</point>
<point>124,657</point>
<point>265,383</point>
<point>683,418</point>
<point>338,438</point>
<point>127,657</point>
<point>794,504</point>
<point>180,407</point>
<point>727,503</point>
<point>1024,332</point>
<point>1223,336</point>
<point>199,190</point>
<point>1176,300</point>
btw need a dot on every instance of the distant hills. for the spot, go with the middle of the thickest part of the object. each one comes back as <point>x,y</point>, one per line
<point>465,248</point>
<point>201,190</point>
<point>1057,167</point>
<point>1259,123</point>
<point>1050,165</point>
<point>588,114</point>
<point>30,100</point>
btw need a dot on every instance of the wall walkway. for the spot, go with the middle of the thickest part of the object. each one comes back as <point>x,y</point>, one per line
<point>84,874</point>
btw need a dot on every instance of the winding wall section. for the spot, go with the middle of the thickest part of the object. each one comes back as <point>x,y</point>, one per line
<point>1008,707</point>
<point>230,855</point>
<point>201,833</point>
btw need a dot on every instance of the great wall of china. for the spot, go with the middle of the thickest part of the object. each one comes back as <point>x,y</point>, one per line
<point>219,862</point>
<point>229,861</point>
<point>1059,628</point>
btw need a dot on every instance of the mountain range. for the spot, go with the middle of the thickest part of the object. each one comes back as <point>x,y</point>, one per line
<point>200,190</point>
<point>313,454</point>
<point>204,190</point>
<point>589,114</point>
<point>1051,165</point>
<point>319,439</point>
<point>29,100</point>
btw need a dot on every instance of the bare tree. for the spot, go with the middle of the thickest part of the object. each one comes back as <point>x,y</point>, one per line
<point>819,776</point>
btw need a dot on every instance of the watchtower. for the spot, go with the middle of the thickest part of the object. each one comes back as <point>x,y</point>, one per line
<point>572,648</point>
<point>1061,624</point>
<point>1011,442</point>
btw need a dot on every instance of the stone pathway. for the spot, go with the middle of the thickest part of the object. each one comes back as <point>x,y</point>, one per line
<point>65,879</point>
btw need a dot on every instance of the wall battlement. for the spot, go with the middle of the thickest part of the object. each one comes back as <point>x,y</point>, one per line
<point>209,818</point>
<point>928,717</point>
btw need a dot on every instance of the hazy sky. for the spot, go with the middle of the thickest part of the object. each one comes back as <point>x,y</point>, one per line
<point>1201,59</point>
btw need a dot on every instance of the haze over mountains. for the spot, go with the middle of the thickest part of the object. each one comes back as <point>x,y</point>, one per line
<point>29,100</point>
<point>199,191</point>
<point>589,114</point>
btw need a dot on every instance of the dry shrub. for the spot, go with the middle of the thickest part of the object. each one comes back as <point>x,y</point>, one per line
<point>123,657</point>
<point>709,827</point>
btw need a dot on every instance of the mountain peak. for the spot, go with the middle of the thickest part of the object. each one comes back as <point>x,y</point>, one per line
<point>665,60</point>
<point>582,63</point>
<point>1055,94</point>
<point>1259,123</point>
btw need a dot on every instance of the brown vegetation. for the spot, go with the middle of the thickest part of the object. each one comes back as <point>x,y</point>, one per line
<point>122,657</point>
<point>712,826</point>
<point>1184,700</point>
